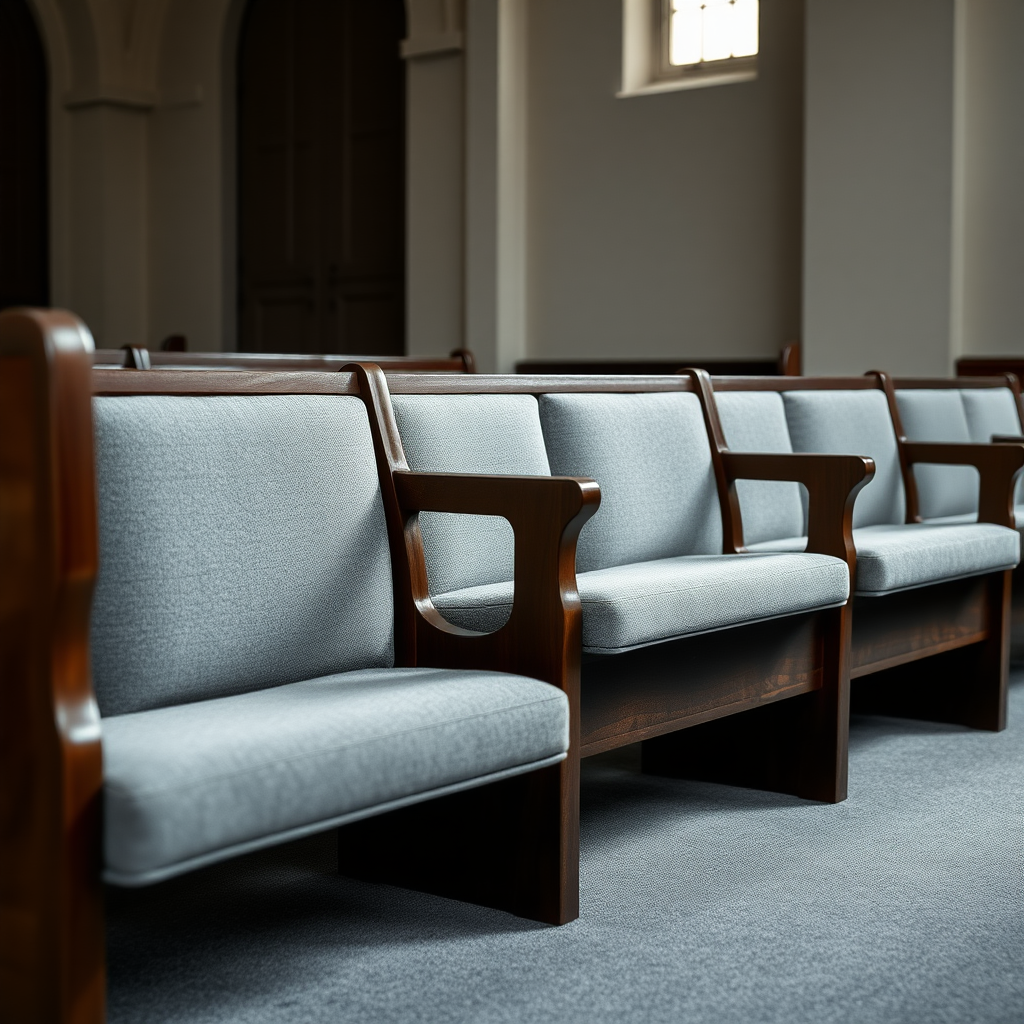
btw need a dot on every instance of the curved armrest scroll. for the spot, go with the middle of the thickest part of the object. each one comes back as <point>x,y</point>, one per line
<point>998,465</point>
<point>546,515</point>
<point>832,482</point>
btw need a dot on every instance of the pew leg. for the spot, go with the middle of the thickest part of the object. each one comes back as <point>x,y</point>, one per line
<point>798,745</point>
<point>512,845</point>
<point>965,686</point>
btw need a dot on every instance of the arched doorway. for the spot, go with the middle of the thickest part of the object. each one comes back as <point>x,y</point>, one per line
<point>24,181</point>
<point>321,189</point>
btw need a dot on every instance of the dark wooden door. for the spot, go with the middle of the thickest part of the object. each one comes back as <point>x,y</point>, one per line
<point>321,152</point>
<point>24,222</point>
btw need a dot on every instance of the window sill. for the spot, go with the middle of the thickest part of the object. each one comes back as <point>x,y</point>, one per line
<point>688,82</point>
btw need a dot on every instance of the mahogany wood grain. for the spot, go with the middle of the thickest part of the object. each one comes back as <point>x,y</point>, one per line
<point>645,693</point>
<point>900,627</point>
<point>967,682</point>
<point>51,922</point>
<point>799,745</point>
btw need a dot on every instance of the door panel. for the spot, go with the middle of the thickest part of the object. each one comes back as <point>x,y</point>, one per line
<point>322,177</point>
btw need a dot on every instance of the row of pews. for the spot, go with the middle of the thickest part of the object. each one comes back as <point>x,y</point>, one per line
<point>242,607</point>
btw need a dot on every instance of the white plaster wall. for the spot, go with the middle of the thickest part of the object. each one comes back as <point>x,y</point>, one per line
<point>663,224</point>
<point>991,313</point>
<point>879,179</point>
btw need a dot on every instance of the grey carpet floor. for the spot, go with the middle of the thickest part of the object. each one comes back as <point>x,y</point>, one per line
<point>699,903</point>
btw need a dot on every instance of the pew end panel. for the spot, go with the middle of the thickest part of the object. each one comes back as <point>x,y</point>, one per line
<point>477,839</point>
<point>51,920</point>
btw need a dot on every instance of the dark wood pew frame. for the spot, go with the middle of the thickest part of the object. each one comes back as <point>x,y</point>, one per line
<point>990,366</point>
<point>130,358</point>
<point>512,845</point>
<point>796,745</point>
<point>1003,380</point>
<point>964,622</point>
<point>788,364</point>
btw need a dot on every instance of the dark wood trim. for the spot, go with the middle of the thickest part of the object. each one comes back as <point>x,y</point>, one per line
<point>832,481</point>
<point>52,940</point>
<point>791,361</point>
<point>460,361</point>
<point>912,505</point>
<point>965,682</point>
<point>786,363</point>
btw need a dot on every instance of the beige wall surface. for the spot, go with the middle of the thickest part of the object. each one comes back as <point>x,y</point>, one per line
<point>990,311</point>
<point>661,224</point>
<point>879,186</point>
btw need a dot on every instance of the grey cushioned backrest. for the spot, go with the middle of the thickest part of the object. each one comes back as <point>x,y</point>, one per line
<point>651,456</point>
<point>755,421</point>
<point>470,434</point>
<point>992,411</point>
<point>937,414</point>
<point>242,545</point>
<point>852,423</point>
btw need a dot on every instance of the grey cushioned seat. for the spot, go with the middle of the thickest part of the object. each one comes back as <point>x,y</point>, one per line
<point>896,557</point>
<point>646,602</point>
<point>198,782</point>
<point>891,558</point>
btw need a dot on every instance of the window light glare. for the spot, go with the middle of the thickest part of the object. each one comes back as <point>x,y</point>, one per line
<point>706,30</point>
<point>686,32</point>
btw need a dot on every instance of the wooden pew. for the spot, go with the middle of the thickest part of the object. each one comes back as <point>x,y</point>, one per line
<point>460,361</point>
<point>788,364</point>
<point>788,677</point>
<point>513,844</point>
<point>939,650</point>
<point>989,409</point>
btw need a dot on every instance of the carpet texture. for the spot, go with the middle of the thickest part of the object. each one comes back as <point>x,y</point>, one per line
<point>698,903</point>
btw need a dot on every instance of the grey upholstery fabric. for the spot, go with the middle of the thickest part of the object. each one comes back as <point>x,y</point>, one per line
<point>992,411</point>
<point>755,421</point>
<point>632,605</point>
<point>897,557</point>
<point>187,781</point>
<point>470,434</point>
<point>242,545</point>
<point>650,454</point>
<point>852,423</point>
<point>937,414</point>
<point>909,555</point>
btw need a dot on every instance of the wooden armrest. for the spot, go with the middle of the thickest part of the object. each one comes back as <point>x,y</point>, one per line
<point>546,515</point>
<point>1007,439</point>
<point>998,465</point>
<point>832,482</point>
